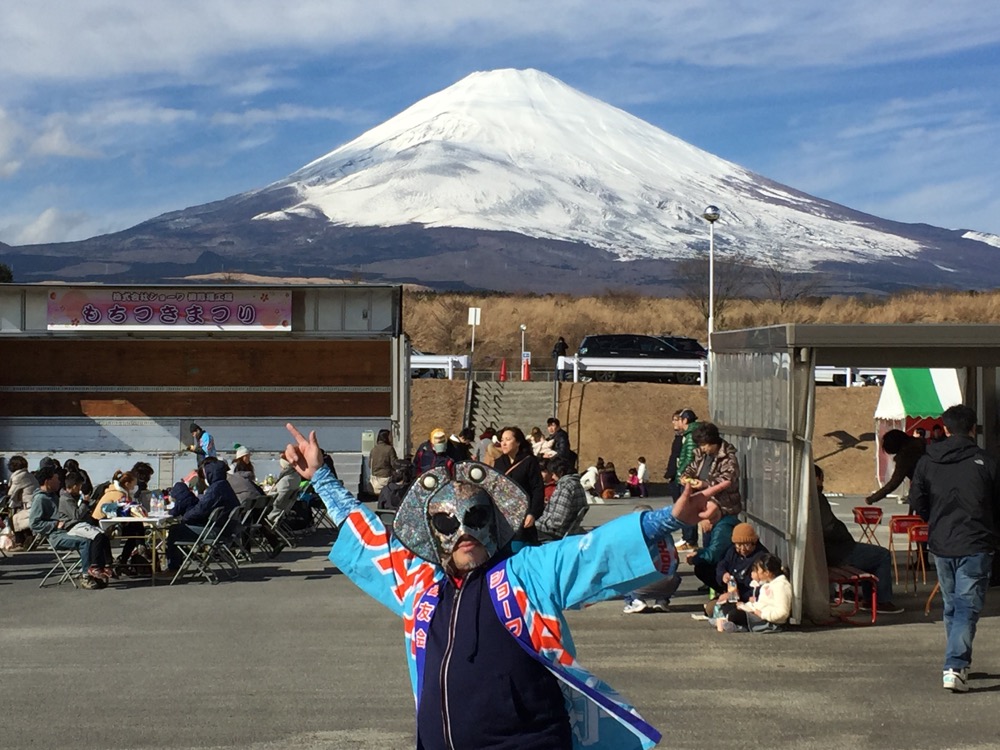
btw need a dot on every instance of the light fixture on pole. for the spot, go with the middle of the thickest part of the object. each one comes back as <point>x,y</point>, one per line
<point>524,357</point>
<point>711,215</point>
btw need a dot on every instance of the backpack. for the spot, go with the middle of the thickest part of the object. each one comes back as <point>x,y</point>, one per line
<point>99,491</point>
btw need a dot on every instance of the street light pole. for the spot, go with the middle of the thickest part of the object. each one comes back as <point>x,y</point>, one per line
<point>523,329</point>
<point>711,215</point>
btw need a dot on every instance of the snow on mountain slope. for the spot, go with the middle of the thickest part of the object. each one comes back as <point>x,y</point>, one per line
<point>521,151</point>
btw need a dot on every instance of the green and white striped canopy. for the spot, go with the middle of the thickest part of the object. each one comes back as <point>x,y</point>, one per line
<point>918,392</point>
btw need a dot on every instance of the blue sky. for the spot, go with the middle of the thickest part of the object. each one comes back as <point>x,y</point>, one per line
<point>114,111</point>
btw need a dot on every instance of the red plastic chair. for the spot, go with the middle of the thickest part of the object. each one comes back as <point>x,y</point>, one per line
<point>868,517</point>
<point>900,525</point>
<point>916,540</point>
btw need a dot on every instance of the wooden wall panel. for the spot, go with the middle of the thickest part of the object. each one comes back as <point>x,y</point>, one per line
<point>196,363</point>
<point>184,404</point>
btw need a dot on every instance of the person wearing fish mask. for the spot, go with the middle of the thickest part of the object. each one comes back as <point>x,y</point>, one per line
<point>492,663</point>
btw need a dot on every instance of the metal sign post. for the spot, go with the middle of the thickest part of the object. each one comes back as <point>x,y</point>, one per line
<point>474,314</point>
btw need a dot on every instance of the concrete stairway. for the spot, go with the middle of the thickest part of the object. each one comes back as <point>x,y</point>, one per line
<point>523,405</point>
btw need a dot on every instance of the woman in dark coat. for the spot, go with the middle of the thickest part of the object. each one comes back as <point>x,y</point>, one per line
<point>519,463</point>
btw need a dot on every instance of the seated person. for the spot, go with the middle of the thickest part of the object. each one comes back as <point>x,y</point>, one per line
<point>44,520</point>
<point>393,493</point>
<point>607,479</point>
<point>561,515</point>
<point>218,494</point>
<point>738,560</point>
<point>772,606</point>
<point>706,560</point>
<point>842,549</point>
<point>655,596</point>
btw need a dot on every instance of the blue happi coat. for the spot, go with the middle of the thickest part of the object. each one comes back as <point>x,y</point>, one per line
<point>541,582</point>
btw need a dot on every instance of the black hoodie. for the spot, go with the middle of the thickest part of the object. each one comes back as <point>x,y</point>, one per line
<point>956,488</point>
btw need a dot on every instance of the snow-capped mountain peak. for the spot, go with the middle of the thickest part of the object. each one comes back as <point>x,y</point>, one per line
<point>520,151</point>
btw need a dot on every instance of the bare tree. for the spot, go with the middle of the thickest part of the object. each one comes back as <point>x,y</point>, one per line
<point>785,286</point>
<point>735,277</point>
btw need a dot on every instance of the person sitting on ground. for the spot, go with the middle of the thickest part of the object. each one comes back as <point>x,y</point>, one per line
<point>607,480</point>
<point>218,494</point>
<point>380,461</point>
<point>906,452</point>
<point>655,596</point>
<point>706,560</point>
<point>564,511</point>
<point>45,521</point>
<point>463,589</point>
<point>842,549</point>
<point>771,608</point>
<point>633,482</point>
<point>548,480</point>
<point>738,560</point>
<point>20,490</point>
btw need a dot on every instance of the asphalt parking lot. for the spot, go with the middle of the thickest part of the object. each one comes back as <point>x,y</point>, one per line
<point>292,655</point>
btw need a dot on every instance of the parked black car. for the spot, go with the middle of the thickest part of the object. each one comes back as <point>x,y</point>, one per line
<point>633,346</point>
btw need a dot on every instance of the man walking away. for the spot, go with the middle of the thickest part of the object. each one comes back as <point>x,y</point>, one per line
<point>955,488</point>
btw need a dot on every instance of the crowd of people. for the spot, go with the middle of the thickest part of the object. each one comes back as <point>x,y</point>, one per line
<point>59,505</point>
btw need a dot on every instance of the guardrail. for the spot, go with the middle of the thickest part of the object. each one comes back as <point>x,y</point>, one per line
<point>689,371</point>
<point>850,375</point>
<point>446,362</point>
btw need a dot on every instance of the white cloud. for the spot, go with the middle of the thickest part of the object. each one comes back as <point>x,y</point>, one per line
<point>282,113</point>
<point>921,159</point>
<point>51,225</point>
<point>71,40</point>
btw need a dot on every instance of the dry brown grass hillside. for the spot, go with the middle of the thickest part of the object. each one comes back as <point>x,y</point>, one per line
<point>622,421</point>
<point>438,322</point>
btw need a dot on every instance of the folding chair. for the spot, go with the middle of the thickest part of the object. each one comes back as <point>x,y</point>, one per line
<point>868,517</point>
<point>846,575</point>
<point>280,526</point>
<point>194,551</point>
<point>900,525</point>
<point>62,557</point>
<point>916,541</point>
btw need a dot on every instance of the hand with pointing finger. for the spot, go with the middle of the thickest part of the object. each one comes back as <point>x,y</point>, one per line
<point>304,454</point>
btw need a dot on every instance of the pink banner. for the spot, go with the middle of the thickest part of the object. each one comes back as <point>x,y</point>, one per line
<point>190,309</point>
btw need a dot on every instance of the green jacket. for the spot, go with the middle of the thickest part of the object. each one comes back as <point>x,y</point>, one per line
<point>722,539</point>
<point>686,455</point>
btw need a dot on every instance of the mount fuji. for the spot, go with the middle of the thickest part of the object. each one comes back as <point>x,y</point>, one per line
<point>512,180</point>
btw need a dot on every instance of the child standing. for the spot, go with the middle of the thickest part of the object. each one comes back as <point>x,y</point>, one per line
<point>773,604</point>
<point>643,474</point>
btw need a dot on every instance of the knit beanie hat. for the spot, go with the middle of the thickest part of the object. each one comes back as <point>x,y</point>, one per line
<point>743,533</point>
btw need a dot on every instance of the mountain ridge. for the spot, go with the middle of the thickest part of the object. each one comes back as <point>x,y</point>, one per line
<point>557,182</point>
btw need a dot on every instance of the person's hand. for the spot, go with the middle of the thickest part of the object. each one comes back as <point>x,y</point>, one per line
<point>705,525</point>
<point>872,499</point>
<point>529,521</point>
<point>690,557</point>
<point>191,448</point>
<point>691,507</point>
<point>305,455</point>
<point>59,524</point>
<point>725,577</point>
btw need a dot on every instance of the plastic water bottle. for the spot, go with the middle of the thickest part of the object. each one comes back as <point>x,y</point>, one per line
<point>733,590</point>
<point>156,506</point>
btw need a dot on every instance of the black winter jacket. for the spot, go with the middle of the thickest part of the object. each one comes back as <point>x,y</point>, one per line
<point>956,489</point>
